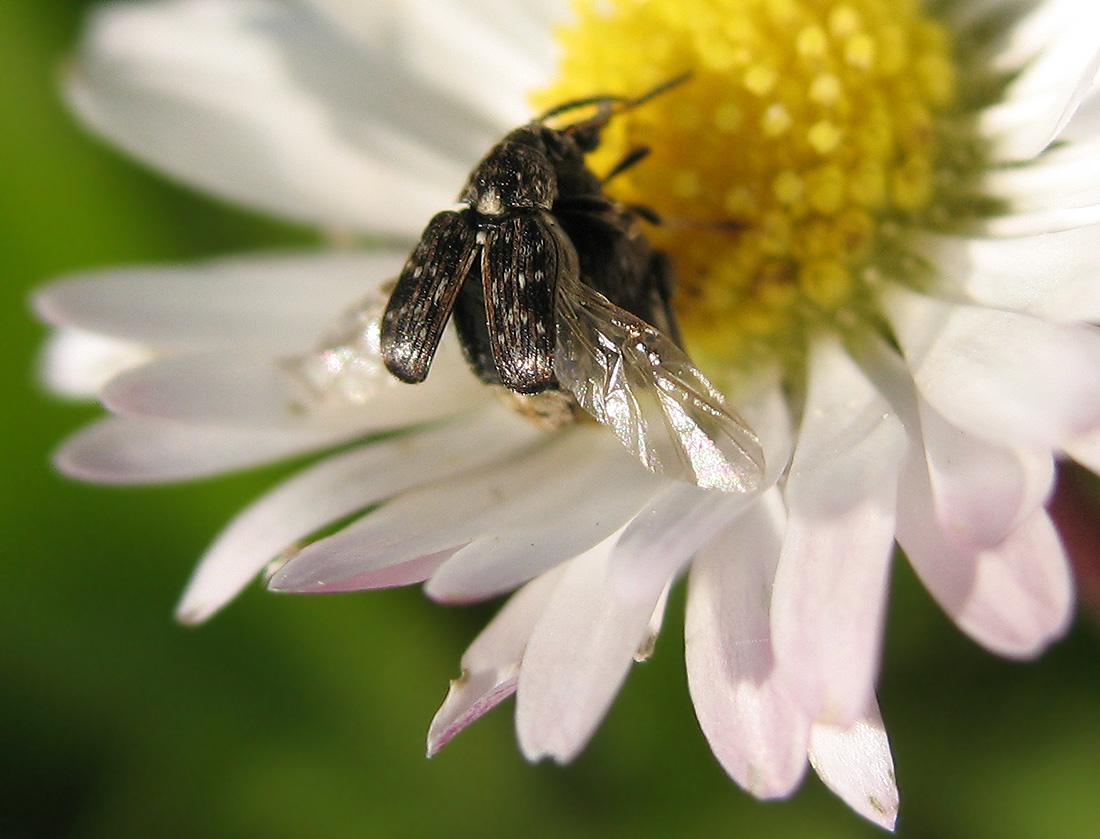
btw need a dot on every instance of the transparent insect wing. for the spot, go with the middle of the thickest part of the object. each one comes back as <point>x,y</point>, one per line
<point>523,260</point>
<point>425,295</point>
<point>639,384</point>
<point>347,367</point>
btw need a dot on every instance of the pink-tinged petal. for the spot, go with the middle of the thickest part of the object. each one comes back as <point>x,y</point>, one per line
<point>335,488</point>
<point>471,696</point>
<point>669,530</point>
<point>242,390</point>
<point>407,573</point>
<point>507,516</point>
<point>830,586</point>
<point>756,731</point>
<point>653,631</point>
<point>76,364</point>
<point>595,489</point>
<point>1015,598</point>
<point>1050,276</point>
<point>279,303</point>
<point>1055,45</point>
<point>980,491</point>
<point>1004,376</point>
<point>120,450</point>
<point>579,655</point>
<point>269,104</point>
<point>490,667</point>
<point>683,518</point>
<point>855,763</point>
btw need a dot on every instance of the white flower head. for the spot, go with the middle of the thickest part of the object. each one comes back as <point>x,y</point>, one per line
<point>882,219</point>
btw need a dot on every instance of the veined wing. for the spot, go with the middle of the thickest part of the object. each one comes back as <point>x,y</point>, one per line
<point>347,366</point>
<point>643,387</point>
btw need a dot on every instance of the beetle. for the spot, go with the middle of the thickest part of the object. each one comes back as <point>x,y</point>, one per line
<point>535,213</point>
<point>559,299</point>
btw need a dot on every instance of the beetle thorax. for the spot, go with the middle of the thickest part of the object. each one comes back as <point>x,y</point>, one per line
<point>515,175</point>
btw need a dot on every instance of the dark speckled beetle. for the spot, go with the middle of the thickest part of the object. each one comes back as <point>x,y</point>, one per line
<point>536,213</point>
<point>559,299</point>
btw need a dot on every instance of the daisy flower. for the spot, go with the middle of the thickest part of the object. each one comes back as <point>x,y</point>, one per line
<point>902,308</point>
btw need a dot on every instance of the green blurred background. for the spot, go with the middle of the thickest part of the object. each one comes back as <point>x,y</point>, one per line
<point>293,717</point>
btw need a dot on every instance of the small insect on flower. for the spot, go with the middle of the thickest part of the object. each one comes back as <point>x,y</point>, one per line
<point>560,300</point>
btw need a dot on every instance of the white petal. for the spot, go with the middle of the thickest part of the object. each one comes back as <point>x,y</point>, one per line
<point>575,503</point>
<point>1056,47</point>
<point>1085,449</point>
<point>504,524</point>
<point>1066,176</point>
<point>1003,376</point>
<point>683,517</point>
<point>280,302</point>
<point>267,103</point>
<point>767,413</point>
<point>251,391</point>
<point>487,54</point>
<point>1051,276</point>
<point>119,450</point>
<point>578,656</point>
<point>667,531</point>
<point>77,364</point>
<point>756,731</point>
<point>830,587</point>
<point>490,667</point>
<point>855,763</point>
<point>1041,222</point>
<point>1060,190</point>
<point>980,491</point>
<point>337,487</point>
<point>656,622</point>
<point>1085,124</point>
<point>1015,598</point>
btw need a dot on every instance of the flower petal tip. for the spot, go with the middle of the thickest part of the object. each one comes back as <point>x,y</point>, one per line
<point>471,696</point>
<point>198,604</point>
<point>539,754</point>
<point>192,614</point>
<point>882,813</point>
<point>1029,649</point>
<point>856,764</point>
<point>549,743</point>
<point>436,742</point>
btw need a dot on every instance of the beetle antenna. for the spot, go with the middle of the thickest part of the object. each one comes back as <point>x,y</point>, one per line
<point>675,81</point>
<point>609,106</point>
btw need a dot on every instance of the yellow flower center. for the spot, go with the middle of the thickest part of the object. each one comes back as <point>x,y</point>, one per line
<point>809,133</point>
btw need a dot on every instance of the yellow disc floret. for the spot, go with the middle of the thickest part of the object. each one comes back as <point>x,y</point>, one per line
<point>809,132</point>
